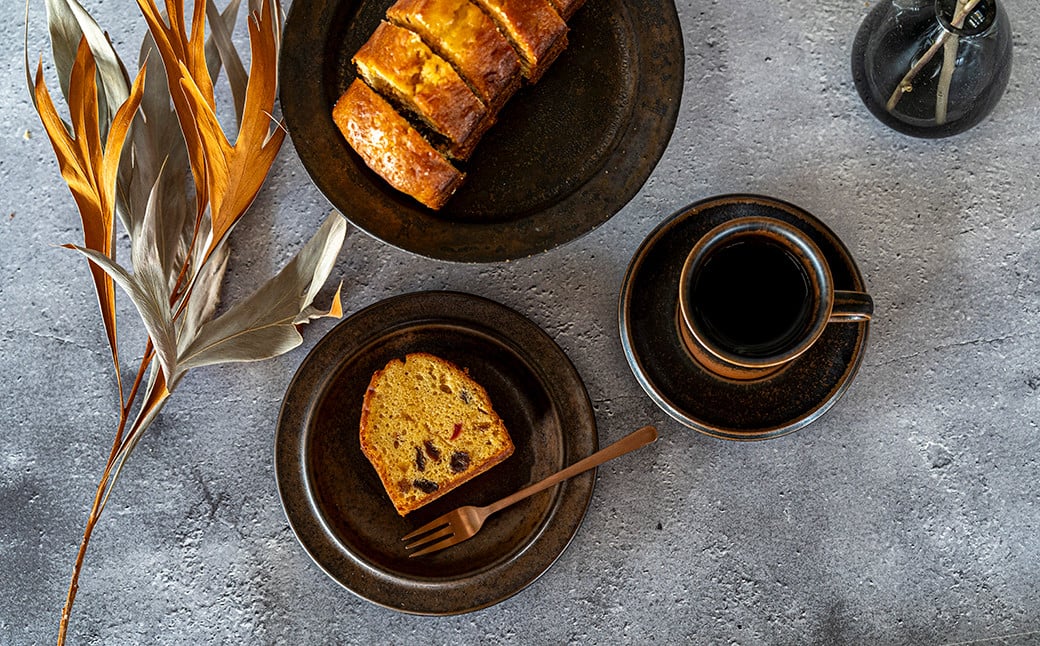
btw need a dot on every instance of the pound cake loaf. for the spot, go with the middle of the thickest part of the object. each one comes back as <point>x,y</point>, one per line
<point>464,36</point>
<point>447,67</point>
<point>427,427</point>
<point>393,148</point>
<point>396,63</point>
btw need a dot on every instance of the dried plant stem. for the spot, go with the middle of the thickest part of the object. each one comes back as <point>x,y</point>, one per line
<point>942,92</point>
<point>227,178</point>
<point>906,83</point>
<point>119,446</point>
<point>101,495</point>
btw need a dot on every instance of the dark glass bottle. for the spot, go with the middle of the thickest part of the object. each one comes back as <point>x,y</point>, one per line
<point>952,91</point>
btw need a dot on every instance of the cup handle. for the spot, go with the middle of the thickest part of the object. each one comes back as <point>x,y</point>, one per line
<point>851,307</point>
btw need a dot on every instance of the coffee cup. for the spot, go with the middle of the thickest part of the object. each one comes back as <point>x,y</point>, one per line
<point>755,293</point>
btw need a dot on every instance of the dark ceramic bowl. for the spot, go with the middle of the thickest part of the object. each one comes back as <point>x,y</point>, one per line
<point>565,155</point>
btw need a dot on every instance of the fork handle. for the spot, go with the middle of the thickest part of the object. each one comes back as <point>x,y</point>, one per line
<point>631,442</point>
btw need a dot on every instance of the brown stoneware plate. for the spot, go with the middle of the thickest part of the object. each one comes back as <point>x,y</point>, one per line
<point>336,504</point>
<point>565,155</point>
<point>785,402</point>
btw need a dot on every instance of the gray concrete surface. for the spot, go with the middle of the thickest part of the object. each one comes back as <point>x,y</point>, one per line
<point>908,515</point>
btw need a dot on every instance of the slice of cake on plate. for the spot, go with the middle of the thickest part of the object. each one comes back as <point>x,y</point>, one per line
<point>427,427</point>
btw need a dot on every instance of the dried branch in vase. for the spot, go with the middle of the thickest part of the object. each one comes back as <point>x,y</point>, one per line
<point>126,151</point>
<point>932,68</point>
<point>964,7</point>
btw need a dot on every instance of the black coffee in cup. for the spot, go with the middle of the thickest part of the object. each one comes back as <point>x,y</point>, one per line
<point>754,294</point>
<point>752,297</point>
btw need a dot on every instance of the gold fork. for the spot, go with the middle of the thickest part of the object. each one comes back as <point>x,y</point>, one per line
<point>456,526</point>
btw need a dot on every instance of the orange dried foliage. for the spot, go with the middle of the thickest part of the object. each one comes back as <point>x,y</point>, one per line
<point>227,177</point>
<point>89,167</point>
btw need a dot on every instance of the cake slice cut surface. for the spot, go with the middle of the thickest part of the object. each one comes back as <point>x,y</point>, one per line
<point>534,29</point>
<point>462,34</point>
<point>397,63</point>
<point>427,427</point>
<point>391,147</point>
<point>567,8</point>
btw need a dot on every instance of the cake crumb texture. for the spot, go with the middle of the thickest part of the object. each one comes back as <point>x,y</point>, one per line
<point>427,427</point>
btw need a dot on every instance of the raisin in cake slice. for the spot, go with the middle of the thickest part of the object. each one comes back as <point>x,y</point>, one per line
<point>462,34</point>
<point>534,29</point>
<point>397,63</point>
<point>427,427</point>
<point>391,147</point>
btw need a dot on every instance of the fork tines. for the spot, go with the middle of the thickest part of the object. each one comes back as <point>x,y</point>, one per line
<point>428,537</point>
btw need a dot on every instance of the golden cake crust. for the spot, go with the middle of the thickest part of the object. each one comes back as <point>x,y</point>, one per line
<point>534,29</point>
<point>567,8</point>
<point>392,148</point>
<point>427,427</point>
<point>398,64</point>
<point>462,34</point>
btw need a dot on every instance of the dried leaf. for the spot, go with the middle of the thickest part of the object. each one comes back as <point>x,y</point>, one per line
<point>258,6</point>
<point>204,298</point>
<point>234,174</point>
<point>161,160</point>
<point>88,167</point>
<point>144,247</point>
<point>179,51</point>
<point>149,293</point>
<point>153,403</point>
<point>334,310</point>
<point>220,50</point>
<point>69,23</point>
<point>156,145</point>
<point>264,324</point>
<point>156,142</point>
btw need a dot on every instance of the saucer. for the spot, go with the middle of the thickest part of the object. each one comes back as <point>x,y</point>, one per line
<point>779,404</point>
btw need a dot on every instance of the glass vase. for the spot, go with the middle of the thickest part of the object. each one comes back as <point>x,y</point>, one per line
<point>932,68</point>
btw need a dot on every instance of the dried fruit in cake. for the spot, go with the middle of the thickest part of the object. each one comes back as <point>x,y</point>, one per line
<point>534,29</point>
<point>427,427</point>
<point>462,34</point>
<point>397,63</point>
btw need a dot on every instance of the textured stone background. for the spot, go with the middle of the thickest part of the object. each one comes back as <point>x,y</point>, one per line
<point>907,515</point>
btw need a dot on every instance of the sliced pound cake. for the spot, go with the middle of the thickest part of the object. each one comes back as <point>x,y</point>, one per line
<point>391,147</point>
<point>462,34</point>
<point>534,29</point>
<point>427,427</point>
<point>567,8</point>
<point>399,65</point>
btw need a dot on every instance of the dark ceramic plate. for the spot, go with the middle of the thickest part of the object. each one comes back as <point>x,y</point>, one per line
<point>784,402</point>
<point>336,503</point>
<point>565,155</point>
